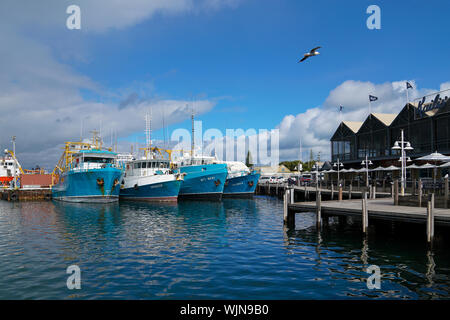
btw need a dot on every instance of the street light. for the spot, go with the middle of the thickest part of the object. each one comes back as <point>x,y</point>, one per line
<point>316,168</point>
<point>299,169</point>
<point>367,163</point>
<point>339,165</point>
<point>403,146</point>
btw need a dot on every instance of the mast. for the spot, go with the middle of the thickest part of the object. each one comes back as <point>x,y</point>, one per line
<point>193,132</point>
<point>148,132</point>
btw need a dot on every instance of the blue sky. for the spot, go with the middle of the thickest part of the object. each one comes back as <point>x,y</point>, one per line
<point>248,54</point>
<point>238,56</point>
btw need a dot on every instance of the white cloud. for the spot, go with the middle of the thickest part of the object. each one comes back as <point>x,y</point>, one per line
<point>315,126</point>
<point>101,15</point>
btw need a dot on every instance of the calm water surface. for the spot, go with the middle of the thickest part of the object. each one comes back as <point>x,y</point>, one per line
<point>234,249</point>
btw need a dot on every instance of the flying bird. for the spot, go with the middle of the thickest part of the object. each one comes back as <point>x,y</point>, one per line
<point>312,53</point>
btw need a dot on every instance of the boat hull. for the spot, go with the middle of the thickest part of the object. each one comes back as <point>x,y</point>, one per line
<point>203,182</point>
<point>84,186</point>
<point>242,186</point>
<point>152,188</point>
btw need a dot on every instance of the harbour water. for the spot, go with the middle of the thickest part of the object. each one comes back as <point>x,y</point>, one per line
<point>233,249</point>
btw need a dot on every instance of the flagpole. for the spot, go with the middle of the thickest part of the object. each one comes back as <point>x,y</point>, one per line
<point>370,106</point>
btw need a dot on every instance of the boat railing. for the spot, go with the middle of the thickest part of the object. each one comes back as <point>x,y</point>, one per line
<point>92,166</point>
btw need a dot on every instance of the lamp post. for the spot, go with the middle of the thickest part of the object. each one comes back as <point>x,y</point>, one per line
<point>367,163</point>
<point>403,146</point>
<point>14,160</point>
<point>339,165</point>
<point>316,168</point>
<point>299,168</point>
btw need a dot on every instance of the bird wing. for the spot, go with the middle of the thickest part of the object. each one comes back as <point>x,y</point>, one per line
<point>315,49</point>
<point>304,58</point>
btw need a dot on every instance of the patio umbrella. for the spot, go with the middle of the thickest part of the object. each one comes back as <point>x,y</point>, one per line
<point>445,165</point>
<point>435,157</point>
<point>380,168</point>
<point>413,166</point>
<point>391,168</point>
<point>427,166</point>
<point>430,166</point>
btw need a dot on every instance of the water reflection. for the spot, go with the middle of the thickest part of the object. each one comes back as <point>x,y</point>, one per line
<point>233,249</point>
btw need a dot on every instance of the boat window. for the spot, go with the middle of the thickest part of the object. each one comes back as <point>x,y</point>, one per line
<point>98,160</point>
<point>144,165</point>
<point>136,165</point>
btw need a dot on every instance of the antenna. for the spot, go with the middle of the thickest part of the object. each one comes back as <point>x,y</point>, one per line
<point>193,132</point>
<point>81,130</point>
<point>164,128</point>
<point>148,131</point>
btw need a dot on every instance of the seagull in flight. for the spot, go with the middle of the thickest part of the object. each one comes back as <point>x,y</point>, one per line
<point>312,53</point>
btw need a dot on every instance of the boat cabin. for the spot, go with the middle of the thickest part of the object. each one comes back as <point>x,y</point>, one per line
<point>148,167</point>
<point>93,159</point>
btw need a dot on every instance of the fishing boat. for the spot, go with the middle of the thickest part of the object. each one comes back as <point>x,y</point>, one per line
<point>9,164</point>
<point>151,177</point>
<point>204,179</point>
<point>241,181</point>
<point>150,180</point>
<point>87,173</point>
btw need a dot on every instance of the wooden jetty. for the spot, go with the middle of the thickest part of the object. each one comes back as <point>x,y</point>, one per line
<point>26,194</point>
<point>368,209</point>
<point>305,193</point>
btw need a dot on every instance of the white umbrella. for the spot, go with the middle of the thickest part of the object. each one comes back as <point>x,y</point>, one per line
<point>435,156</point>
<point>413,166</point>
<point>427,166</point>
<point>380,168</point>
<point>391,168</point>
<point>351,170</point>
<point>445,165</point>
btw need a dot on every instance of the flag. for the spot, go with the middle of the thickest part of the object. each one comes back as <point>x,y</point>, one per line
<point>340,108</point>
<point>373,98</point>
<point>408,85</point>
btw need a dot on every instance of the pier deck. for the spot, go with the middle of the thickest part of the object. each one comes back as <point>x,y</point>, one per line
<point>382,209</point>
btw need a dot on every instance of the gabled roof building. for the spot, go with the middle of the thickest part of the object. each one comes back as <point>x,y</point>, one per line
<point>426,126</point>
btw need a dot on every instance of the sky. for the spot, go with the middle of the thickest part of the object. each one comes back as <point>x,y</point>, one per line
<point>235,61</point>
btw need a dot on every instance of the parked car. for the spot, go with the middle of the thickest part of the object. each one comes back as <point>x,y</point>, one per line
<point>306,178</point>
<point>263,180</point>
<point>281,180</point>
<point>273,180</point>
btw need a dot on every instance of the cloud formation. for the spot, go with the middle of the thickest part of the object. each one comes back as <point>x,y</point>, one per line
<point>43,101</point>
<point>315,126</point>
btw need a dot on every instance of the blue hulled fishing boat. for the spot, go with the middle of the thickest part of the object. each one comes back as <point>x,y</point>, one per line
<point>241,181</point>
<point>86,173</point>
<point>150,180</point>
<point>203,179</point>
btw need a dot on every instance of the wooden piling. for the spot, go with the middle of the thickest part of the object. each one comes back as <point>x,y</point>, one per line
<point>350,191</point>
<point>319,209</point>
<point>420,192</point>
<point>332,190</point>
<point>365,217</point>
<point>396,192</point>
<point>374,192</point>
<point>446,192</point>
<point>430,219</point>
<point>292,193</point>
<point>340,193</point>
